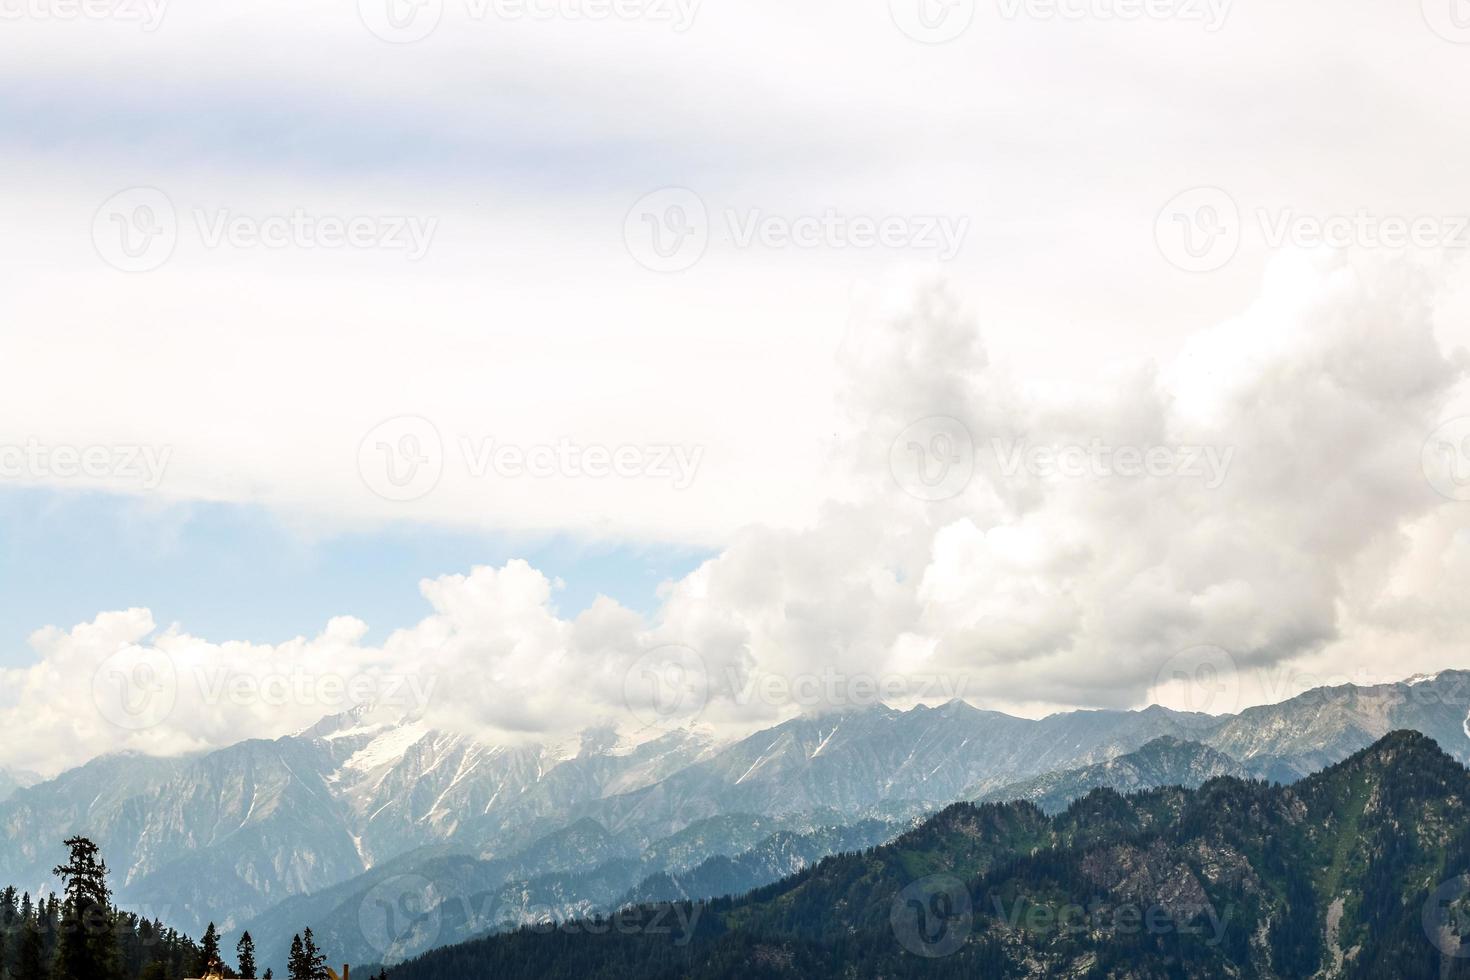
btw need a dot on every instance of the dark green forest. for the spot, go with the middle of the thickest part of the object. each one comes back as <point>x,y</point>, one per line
<point>81,935</point>
<point>1357,871</point>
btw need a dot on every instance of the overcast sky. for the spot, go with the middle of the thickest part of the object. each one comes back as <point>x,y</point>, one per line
<point>986,348</point>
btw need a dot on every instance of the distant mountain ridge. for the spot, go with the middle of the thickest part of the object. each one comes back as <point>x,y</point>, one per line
<point>1166,761</point>
<point>228,835</point>
<point>14,779</point>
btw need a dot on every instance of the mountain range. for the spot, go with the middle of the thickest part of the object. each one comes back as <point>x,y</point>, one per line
<point>1358,871</point>
<point>301,830</point>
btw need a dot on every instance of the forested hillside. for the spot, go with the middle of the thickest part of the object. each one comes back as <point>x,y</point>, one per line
<point>79,934</point>
<point>1358,871</point>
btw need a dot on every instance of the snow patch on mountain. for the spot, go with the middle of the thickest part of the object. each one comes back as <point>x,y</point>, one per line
<point>388,748</point>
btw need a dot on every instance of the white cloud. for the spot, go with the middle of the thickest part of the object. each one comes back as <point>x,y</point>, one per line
<point>528,322</point>
<point>1323,545</point>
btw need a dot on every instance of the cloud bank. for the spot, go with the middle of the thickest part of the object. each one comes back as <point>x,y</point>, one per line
<point>1264,493</point>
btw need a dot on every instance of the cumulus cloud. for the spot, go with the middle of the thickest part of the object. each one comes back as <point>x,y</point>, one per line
<point>1263,493</point>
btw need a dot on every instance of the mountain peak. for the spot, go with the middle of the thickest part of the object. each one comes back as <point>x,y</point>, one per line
<point>949,709</point>
<point>360,719</point>
<point>1404,740</point>
<point>1398,753</point>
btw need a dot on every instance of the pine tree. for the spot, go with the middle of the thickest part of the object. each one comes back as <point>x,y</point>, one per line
<point>315,961</point>
<point>297,966</point>
<point>209,951</point>
<point>9,910</point>
<point>31,963</point>
<point>245,952</point>
<point>88,945</point>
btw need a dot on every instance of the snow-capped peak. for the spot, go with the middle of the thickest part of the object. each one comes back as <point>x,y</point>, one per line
<point>1423,678</point>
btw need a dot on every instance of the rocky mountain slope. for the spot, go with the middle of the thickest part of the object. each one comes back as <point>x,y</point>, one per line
<point>228,835</point>
<point>224,835</point>
<point>1357,871</point>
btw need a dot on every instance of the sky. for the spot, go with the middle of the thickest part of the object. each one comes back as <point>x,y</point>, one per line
<point>1048,354</point>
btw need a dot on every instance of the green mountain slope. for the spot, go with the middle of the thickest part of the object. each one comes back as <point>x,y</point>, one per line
<point>1352,872</point>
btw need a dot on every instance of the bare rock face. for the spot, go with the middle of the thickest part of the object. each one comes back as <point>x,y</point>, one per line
<point>1155,878</point>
